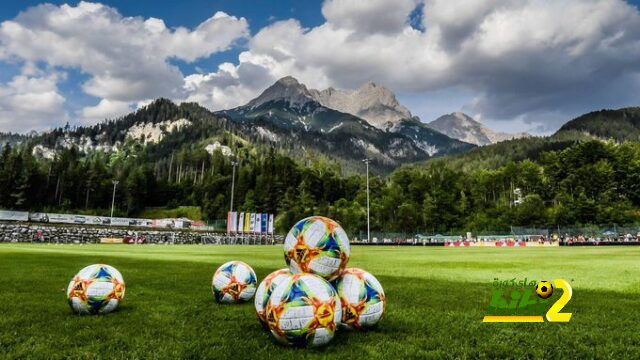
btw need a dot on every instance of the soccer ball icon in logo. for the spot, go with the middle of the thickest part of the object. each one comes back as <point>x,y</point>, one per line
<point>265,289</point>
<point>544,289</point>
<point>234,282</point>
<point>362,299</point>
<point>317,245</point>
<point>96,289</point>
<point>304,310</point>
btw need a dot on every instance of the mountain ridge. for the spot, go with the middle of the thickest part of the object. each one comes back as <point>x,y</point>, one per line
<point>374,103</point>
<point>290,105</point>
<point>165,128</point>
<point>618,124</point>
<point>294,122</point>
<point>463,127</point>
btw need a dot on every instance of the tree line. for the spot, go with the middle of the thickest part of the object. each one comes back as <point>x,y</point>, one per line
<point>590,182</point>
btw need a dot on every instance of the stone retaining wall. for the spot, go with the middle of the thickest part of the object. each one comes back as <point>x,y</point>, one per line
<point>40,233</point>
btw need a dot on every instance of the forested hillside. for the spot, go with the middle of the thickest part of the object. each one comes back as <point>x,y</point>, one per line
<point>588,182</point>
<point>12,139</point>
<point>497,155</point>
<point>619,125</point>
<point>572,177</point>
<point>205,127</point>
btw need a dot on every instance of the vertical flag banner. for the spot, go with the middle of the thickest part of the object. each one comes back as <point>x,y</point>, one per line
<point>252,221</point>
<point>228,222</point>
<point>234,222</point>
<point>246,223</point>
<point>256,225</point>
<point>270,228</point>
<point>263,224</point>
<point>241,222</point>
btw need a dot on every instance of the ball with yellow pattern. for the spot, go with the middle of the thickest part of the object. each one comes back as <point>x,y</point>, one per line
<point>544,289</point>
<point>362,298</point>
<point>304,310</point>
<point>317,245</point>
<point>265,289</point>
<point>96,289</point>
<point>234,282</point>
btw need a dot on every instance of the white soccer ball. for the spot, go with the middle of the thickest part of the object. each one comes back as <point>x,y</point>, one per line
<point>362,299</point>
<point>96,289</point>
<point>317,245</point>
<point>304,310</point>
<point>265,289</point>
<point>234,282</point>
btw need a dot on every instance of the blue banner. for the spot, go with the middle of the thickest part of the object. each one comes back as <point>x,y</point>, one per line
<point>263,223</point>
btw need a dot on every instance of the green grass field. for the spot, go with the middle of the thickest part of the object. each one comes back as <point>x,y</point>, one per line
<point>436,301</point>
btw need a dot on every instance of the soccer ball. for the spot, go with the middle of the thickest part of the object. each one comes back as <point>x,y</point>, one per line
<point>304,310</point>
<point>362,299</point>
<point>96,289</point>
<point>265,289</point>
<point>234,282</point>
<point>544,289</point>
<point>317,245</point>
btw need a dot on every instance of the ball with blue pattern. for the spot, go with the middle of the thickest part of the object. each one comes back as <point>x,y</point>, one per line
<point>234,282</point>
<point>362,298</point>
<point>96,289</point>
<point>317,245</point>
<point>304,309</point>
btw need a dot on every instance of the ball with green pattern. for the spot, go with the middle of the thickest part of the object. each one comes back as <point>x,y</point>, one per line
<point>304,310</point>
<point>317,245</point>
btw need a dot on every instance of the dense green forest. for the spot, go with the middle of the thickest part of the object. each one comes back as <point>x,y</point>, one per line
<point>618,125</point>
<point>589,182</point>
<point>500,154</point>
<point>621,124</point>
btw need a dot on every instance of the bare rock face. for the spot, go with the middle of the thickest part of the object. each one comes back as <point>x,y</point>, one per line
<point>287,89</point>
<point>461,126</point>
<point>365,122</point>
<point>379,107</point>
<point>374,103</point>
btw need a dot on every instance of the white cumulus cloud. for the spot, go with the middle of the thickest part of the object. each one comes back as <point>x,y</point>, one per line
<point>31,102</point>
<point>521,58</point>
<point>370,16</point>
<point>127,59</point>
<point>518,60</point>
<point>105,109</point>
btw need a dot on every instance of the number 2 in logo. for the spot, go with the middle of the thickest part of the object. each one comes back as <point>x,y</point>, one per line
<point>554,314</point>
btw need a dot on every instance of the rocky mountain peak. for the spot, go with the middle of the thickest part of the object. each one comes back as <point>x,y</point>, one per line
<point>289,81</point>
<point>374,103</point>
<point>461,126</point>
<point>462,116</point>
<point>287,89</point>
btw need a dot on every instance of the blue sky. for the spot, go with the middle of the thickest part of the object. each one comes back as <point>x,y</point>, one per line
<point>521,66</point>
<point>189,14</point>
<point>259,13</point>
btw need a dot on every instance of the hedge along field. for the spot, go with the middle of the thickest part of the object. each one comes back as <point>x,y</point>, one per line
<point>436,300</point>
